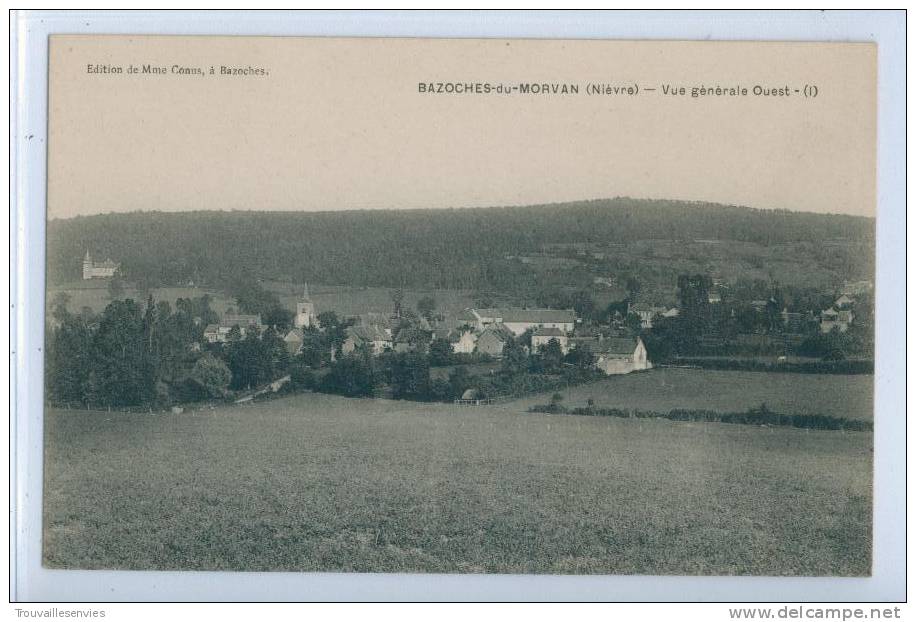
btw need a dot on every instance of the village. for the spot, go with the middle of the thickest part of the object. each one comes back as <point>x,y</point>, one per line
<point>264,344</point>
<point>617,345</point>
<point>483,332</point>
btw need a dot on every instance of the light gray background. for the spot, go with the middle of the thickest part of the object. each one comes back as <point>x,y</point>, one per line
<point>28,41</point>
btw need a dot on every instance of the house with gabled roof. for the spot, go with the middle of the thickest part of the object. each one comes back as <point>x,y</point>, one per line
<point>219,333</point>
<point>381,321</point>
<point>520,320</point>
<point>98,269</point>
<point>376,339</point>
<point>621,355</point>
<point>410,338</point>
<point>493,339</point>
<point>463,341</point>
<point>844,301</point>
<point>838,319</point>
<point>294,340</point>
<point>647,313</point>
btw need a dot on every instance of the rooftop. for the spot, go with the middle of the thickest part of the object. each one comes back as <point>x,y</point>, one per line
<point>368,333</point>
<point>499,331</point>
<point>617,345</point>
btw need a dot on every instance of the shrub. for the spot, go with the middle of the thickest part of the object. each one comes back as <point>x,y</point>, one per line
<point>753,416</point>
<point>351,376</point>
<point>211,375</point>
<point>301,376</point>
<point>839,366</point>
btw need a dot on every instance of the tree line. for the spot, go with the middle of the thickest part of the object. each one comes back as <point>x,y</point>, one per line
<point>153,355</point>
<point>407,375</point>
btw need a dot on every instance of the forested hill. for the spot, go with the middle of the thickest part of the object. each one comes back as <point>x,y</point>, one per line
<point>455,248</point>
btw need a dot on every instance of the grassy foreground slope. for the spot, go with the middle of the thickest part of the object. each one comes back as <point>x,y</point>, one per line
<point>323,483</point>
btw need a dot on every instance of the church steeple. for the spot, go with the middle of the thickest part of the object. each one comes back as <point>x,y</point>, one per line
<point>305,310</point>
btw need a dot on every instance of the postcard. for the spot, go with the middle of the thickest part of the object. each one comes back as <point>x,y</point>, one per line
<point>460,306</point>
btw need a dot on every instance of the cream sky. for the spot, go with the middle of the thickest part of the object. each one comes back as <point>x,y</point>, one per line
<point>340,124</point>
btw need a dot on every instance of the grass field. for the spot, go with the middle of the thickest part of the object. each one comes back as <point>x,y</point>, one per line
<point>725,391</point>
<point>316,482</point>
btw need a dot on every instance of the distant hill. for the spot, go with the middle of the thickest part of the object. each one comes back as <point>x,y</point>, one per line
<point>447,249</point>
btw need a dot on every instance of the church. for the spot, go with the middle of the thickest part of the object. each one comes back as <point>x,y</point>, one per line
<point>305,311</point>
<point>102,270</point>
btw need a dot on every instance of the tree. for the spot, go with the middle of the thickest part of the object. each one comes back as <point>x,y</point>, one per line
<point>426,306</point>
<point>251,297</point>
<point>693,291</point>
<point>59,306</point>
<point>301,375</point>
<point>553,299</point>
<point>439,390</point>
<point>120,356</point>
<point>525,338</point>
<point>551,355</point>
<point>409,376</point>
<point>234,335</point>
<point>832,346</point>
<point>775,305</point>
<point>617,309</point>
<point>440,352</point>
<point>515,357</point>
<point>666,339</point>
<point>275,353</point>
<point>459,381</point>
<point>279,317</point>
<point>581,357</point>
<point>352,376</point>
<point>250,360</point>
<point>333,329</point>
<point>747,319</point>
<point>315,350</point>
<point>633,322</point>
<point>583,304</point>
<point>211,375</point>
<point>67,364</point>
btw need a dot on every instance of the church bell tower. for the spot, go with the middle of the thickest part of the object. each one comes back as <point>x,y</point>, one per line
<point>305,311</point>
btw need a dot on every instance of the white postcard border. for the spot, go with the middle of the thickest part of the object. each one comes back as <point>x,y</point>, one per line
<point>30,582</point>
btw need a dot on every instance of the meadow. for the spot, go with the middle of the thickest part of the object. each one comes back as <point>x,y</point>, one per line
<point>316,482</point>
<point>848,396</point>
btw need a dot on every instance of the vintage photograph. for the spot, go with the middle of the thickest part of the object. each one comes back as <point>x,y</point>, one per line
<point>459,306</point>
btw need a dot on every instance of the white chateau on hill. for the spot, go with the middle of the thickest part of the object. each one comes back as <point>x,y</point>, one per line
<point>101,270</point>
